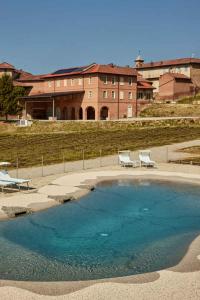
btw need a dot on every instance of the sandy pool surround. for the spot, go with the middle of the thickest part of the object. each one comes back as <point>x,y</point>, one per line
<point>78,184</point>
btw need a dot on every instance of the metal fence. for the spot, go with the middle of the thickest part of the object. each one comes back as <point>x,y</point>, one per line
<point>83,161</point>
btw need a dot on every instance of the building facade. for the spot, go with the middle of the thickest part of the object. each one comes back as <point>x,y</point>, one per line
<point>93,92</point>
<point>189,67</point>
<point>174,86</point>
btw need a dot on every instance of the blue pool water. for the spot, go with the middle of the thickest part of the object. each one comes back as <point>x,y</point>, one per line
<point>122,228</point>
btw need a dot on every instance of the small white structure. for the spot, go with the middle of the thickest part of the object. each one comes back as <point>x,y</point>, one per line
<point>145,159</point>
<point>125,159</point>
<point>24,123</point>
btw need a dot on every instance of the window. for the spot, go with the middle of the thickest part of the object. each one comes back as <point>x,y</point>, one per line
<point>104,79</point>
<point>130,96</point>
<point>113,94</point>
<point>105,94</point>
<point>65,82</point>
<point>121,95</point>
<point>49,84</point>
<point>130,81</point>
<point>80,81</point>
<point>90,94</point>
<point>140,95</point>
<point>148,96</point>
<point>121,81</point>
<point>113,80</point>
<point>57,83</point>
<point>72,81</point>
<point>90,80</point>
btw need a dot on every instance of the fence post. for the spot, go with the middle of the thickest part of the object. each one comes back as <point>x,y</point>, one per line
<point>64,162</point>
<point>118,162</point>
<point>83,153</point>
<point>42,165</point>
<point>17,167</point>
<point>167,154</point>
<point>100,157</point>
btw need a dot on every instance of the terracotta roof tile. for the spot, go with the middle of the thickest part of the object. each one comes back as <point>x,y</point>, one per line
<point>176,75</point>
<point>6,65</point>
<point>141,84</point>
<point>179,61</point>
<point>112,69</point>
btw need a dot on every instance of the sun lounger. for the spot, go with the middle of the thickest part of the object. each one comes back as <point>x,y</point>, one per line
<point>145,160</point>
<point>125,159</point>
<point>4,176</point>
<point>4,184</point>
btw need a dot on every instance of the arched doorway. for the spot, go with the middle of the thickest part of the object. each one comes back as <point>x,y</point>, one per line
<point>104,113</point>
<point>65,113</point>
<point>73,114</point>
<point>90,113</point>
<point>80,113</point>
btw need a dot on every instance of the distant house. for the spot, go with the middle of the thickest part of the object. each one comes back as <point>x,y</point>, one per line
<point>15,74</point>
<point>174,85</point>
<point>92,92</point>
<point>6,68</point>
<point>152,71</point>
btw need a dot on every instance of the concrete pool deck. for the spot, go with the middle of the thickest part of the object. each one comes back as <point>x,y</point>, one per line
<point>180,282</point>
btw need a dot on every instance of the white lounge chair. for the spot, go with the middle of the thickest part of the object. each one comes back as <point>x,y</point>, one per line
<point>5,177</point>
<point>145,160</point>
<point>4,183</point>
<point>125,159</point>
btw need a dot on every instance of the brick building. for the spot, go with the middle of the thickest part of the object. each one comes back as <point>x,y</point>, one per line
<point>174,85</point>
<point>189,67</point>
<point>93,92</point>
<point>144,89</point>
<point>6,68</point>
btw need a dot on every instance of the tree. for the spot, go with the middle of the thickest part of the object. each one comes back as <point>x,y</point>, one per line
<point>9,96</point>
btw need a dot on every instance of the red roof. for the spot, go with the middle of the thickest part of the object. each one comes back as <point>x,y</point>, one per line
<point>112,69</point>
<point>179,61</point>
<point>177,75</point>
<point>93,68</point>
<point>144,85</point>
<point>6,65</point>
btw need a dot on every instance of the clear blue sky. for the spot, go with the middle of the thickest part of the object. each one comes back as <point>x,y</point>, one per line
<point>41,36</point>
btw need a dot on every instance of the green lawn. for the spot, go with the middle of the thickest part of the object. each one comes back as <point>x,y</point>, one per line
<point>58,141</point>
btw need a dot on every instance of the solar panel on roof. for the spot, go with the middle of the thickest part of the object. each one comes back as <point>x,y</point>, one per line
<point>66,71</point>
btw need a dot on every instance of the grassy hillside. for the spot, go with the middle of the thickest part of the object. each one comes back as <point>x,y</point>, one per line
<point>189,100</point>
<point>66,140</point>
<point>171,110</point>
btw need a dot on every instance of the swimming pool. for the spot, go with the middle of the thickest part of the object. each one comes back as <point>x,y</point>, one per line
<point>121,228</point>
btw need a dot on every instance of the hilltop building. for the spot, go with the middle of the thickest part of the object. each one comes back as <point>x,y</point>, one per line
<point>92,92</point>
<point>171,86</point>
